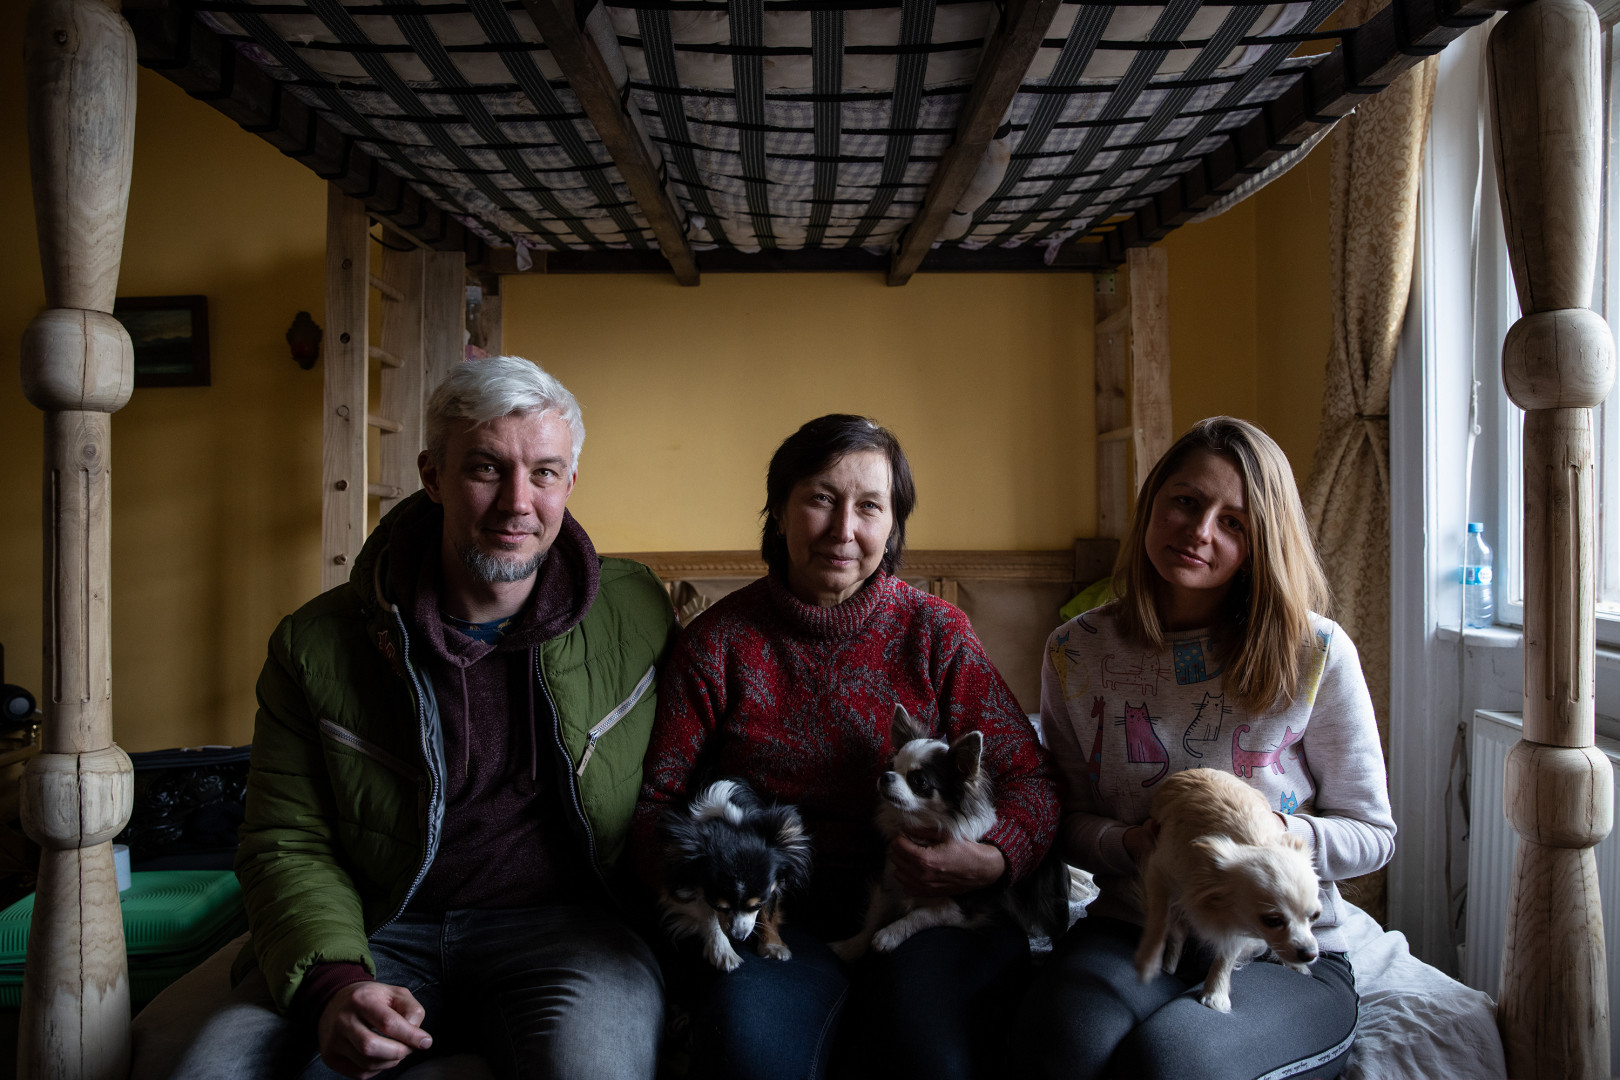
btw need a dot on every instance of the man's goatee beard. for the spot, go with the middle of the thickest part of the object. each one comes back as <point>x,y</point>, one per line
<point>496,569</point>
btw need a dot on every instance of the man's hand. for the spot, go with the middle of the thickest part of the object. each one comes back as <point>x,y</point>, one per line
<point>943,865</point>
<point>370,1026</point>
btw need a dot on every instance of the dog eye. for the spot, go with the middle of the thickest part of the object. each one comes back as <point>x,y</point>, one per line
<point>1317,914</point>
<point>918,782</point>
<point>722,905</point>
<point>1274,921</point>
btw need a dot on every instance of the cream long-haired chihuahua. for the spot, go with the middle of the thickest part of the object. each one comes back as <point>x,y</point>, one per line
<point>1223,869</point>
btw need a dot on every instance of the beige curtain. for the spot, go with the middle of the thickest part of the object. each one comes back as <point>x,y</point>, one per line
<point>1377,159</point>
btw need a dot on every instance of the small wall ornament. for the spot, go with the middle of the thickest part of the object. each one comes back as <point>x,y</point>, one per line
<point>304,337</point>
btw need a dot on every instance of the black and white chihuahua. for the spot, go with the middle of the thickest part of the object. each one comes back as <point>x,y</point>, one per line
<point>728,862</point>
<point>937,787</point>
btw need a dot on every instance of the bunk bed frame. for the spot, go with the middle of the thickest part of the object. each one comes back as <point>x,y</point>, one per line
<point>80,59</point>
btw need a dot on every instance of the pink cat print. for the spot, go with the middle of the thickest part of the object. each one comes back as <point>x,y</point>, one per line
<point>1244,762</point>
<point>1142,745</point>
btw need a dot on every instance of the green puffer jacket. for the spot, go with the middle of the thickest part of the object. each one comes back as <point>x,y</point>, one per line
<point>344,799</point>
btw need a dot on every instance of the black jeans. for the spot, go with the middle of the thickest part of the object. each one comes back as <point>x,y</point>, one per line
<point>555,991</point>
<point>933,1009</point>
<point>1087,1016</point>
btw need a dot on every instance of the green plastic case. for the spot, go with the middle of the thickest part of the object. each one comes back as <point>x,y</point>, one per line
<point>173,921</point>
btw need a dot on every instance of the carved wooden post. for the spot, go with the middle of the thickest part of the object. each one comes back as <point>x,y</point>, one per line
<point>1558,364</point>
<point>78,367</point>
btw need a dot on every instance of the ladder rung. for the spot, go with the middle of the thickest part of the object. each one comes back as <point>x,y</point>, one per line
<point>383,423</point>
<point>386,289</point>
<point>385,491</point>
<point>1116,435</point>
<point>1115,323</point>
<point>386,358</point>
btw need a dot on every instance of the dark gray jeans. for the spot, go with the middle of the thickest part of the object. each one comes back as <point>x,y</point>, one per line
<point>554,991</point>
<point>1086,1016</point>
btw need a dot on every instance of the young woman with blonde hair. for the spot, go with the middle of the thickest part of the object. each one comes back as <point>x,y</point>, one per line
<point>1215,655</point>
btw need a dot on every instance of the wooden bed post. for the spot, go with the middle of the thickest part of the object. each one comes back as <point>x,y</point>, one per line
<point>78,368</point>
<point>1132,336</point>
<point>1557,363</point>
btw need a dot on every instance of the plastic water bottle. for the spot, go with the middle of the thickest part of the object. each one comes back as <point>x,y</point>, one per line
<point>1478,607</point>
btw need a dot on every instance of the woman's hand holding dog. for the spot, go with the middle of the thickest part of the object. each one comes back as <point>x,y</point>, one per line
<point>1140,840</point>
<point>943,865</point>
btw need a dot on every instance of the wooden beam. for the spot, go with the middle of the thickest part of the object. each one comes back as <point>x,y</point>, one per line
<point>1149,272</point>
<point>588,76</point>
<point>444,318</point>
<point>345,393</point>
<point>77,368</point>
<point>1002,65</point>
<point>401,383</point>
<point>1111,370</point>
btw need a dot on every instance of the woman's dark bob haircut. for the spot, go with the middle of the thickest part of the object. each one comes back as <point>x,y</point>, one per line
<point>815,447</point>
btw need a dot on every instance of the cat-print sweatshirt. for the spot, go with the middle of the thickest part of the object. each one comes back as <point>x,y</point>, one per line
<point>1119,718</point>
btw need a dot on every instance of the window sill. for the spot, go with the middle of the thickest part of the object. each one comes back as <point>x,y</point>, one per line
<point>1484,637</point>
<point>1512,637</point>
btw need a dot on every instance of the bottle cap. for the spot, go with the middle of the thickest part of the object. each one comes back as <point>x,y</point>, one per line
<point>1476,526</point>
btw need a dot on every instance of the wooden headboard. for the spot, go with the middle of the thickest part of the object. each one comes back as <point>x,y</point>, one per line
<point>1011,597</point>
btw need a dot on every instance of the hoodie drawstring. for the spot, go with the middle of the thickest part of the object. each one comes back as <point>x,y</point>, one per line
<point>466,725</point>
<point>534,727</point>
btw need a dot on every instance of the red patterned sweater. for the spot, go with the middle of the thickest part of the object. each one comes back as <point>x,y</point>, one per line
<point>797,700</point>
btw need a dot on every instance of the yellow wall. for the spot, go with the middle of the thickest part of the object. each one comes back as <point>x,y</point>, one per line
<point>986,378</point>
<point>1292,289</point>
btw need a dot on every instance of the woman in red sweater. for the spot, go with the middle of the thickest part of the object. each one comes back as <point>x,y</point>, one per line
<point>789,683</point>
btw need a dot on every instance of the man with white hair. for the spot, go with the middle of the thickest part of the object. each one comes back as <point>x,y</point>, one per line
<point>447,754</point>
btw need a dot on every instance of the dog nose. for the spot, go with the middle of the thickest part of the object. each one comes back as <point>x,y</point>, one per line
<point>1306,954</point>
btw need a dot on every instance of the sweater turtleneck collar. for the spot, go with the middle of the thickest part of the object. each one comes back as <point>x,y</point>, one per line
<point>841,620</point>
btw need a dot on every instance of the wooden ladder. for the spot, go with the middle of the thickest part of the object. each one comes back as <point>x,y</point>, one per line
<point>421,341</point>
<point>1132,313</point>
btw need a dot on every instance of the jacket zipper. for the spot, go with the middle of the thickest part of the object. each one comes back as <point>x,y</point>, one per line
<point>376,753</point>
<point>427,762</point>
<point>573,780</point>
<point>620,711</point>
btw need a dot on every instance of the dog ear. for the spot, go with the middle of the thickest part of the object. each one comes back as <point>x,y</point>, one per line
<point>1220,850</point>
<point>966,752</point>
<point>681,837</point>
<point>902,728</point>
<point>790,843</point>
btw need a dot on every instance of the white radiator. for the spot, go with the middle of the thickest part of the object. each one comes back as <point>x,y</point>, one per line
<point>1491,844</point>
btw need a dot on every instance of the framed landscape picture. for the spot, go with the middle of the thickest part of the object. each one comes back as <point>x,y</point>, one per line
<point>170,334</point>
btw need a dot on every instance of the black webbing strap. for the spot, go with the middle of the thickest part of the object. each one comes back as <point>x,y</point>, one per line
<point>916,27</point>
<point>827,62</point>
<point>657,45</point>
<point>748,79</point>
